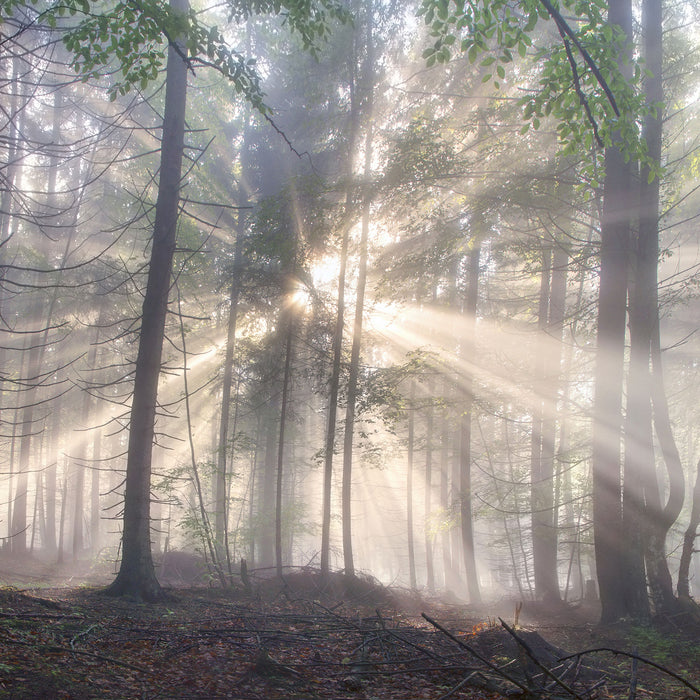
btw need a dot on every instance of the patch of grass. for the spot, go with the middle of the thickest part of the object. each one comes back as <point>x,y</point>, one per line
<point>652,643</point>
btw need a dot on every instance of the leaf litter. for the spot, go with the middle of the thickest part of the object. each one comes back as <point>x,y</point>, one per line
<point>301,638</point>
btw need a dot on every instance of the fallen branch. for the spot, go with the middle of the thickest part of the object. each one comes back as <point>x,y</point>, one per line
<point>649,662</point>
<point>537,662</point>
<point>476,654</point>
<point>66,650</point>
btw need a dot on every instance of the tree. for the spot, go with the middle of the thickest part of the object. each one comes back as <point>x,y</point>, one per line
<point>354,371</point>
<point>465,446</point>
<point>136,575</point>
<point>660,516</point>
<point>607,118</point>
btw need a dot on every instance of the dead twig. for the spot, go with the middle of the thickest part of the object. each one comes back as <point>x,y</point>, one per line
<point>66,650</point>
<point>649,662</point>
<point>538,663</point>
<point>633,680</point>
<point>476,654</point>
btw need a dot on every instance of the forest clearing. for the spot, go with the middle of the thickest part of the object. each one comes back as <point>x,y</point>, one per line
<point>301,639</point>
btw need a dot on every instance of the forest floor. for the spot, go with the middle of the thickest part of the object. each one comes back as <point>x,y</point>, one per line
<point>304,640</point>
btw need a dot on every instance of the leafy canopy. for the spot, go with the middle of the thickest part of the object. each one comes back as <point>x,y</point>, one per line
<point>135,34</point>
<point>595,97</point>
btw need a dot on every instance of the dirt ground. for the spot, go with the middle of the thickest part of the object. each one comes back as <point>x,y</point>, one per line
<point>305,639</point>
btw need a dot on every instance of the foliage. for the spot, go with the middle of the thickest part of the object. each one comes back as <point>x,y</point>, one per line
<point>135,35</point>
<point>582,82</point>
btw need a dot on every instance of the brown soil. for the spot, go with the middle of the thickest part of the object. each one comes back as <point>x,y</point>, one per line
<point>305,639</point>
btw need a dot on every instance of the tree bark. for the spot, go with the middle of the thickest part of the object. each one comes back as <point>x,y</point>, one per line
<point>368,80</point>
<point>607,409</point>
<point>544,536</point>
<point>661,517</point>
<point>689,541</point>
<point>223,450</point>
<point>220,524</point>
<point>329,446</point>
<point>136,577</point>
<point>286,383</point>
<point>427,499</point>
<point>354,373</point>
<point>465,483</point>
<point>409,489</point>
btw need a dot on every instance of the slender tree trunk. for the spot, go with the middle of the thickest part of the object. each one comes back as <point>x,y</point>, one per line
<point>689,541</point>
<point>544,539</point>
<point>80,453</point>
<point>428,496</point>
<point>50,543</point>
<point>550,465</point>
<point>286,386</point>
<point>329,446</point>
<point>136,575</point>
<point>444,501</point>
<point>661,517</point>
<point>353,376</point>
<point>465,485</point>
<point>266,492</point>
<point>639,458</point>
<point>409,490</point>
<point>223,449</point>
<point>207,534</point>
<point>95,512</point>
<point>27,427</point>
<point>607,419</point>
<point>62,514</point>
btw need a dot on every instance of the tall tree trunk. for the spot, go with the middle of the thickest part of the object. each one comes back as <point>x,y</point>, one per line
<point>444,500</point>
<point>95,512</point>
<point>286,385</point>
<point>354,371</point>
<point>80,456</point>
<point>409,489</point>
<point>465,453</point>
<point>660,517</point>
<point>610,350</point>
<point>555,328</point>
<point>544,536</point>
<point>136,575</point>
<point>353,376</point>
<point>50,543</point>
<point>689,541</point>
<point>266,490</point>
<point>223,449</point>
<point>428,496</point>
<point>329,445</point>
<point>19,525</point>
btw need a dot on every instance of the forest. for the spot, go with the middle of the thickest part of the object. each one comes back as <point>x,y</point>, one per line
<point>384,296</point>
